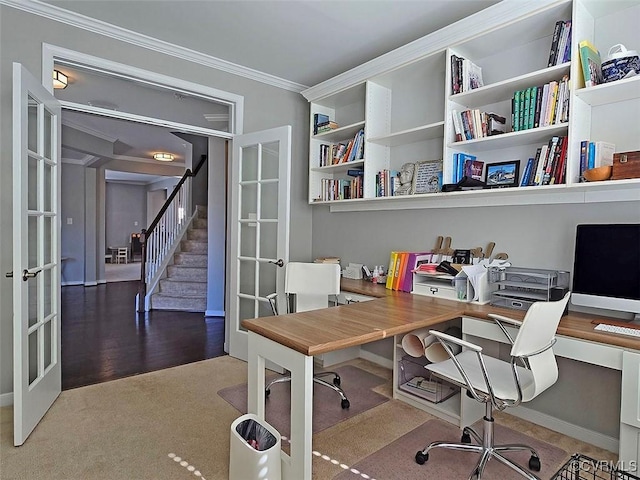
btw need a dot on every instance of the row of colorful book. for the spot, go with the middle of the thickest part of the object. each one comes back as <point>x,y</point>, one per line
<point>540,106</point>
<point>549,165</point>
<point>336,153</point>
<point>387,183</point>
<point>473,124</point>
<point>341,188</point>
<point>465,75</point>
<point>401,267</point>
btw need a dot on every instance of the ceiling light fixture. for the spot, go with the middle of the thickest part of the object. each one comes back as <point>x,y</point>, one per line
<point>60,80</point>
<point>163,157</point>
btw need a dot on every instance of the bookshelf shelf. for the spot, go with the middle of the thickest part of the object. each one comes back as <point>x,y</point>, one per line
<point>501,91</point>
<point>404,97</point>
<point>620,91</point>
<point>412,135</point>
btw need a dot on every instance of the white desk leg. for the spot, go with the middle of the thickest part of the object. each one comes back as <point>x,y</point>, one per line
<point>297,466</point>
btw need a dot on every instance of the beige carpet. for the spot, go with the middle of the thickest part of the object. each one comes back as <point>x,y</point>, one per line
<point>172,425</point>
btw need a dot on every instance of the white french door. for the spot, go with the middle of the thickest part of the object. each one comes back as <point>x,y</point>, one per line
<point>36,252</point>
<point>259,223</point>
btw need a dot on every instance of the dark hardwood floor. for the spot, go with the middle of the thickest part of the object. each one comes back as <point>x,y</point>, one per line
<point>103,338</point>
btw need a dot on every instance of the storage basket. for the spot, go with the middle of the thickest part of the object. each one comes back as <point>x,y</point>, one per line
<point>581,467</point>
<point>621,63</point>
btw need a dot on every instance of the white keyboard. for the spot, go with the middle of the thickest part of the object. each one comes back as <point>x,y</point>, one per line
<point>633,332</point>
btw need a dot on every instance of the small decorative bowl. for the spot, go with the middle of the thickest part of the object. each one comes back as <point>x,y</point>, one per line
<point>598,174</point>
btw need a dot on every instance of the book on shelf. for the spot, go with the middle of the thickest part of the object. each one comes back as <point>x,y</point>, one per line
<point>393,258</point>
<point>319,118</point>
<point>472,167</point>
<point>526,175</point>
<point>326,127</point>
<point>465,75</point>
<point>591,63</point>
<point>560,51</point>
<point>327,260</point>
<point>399,271</point>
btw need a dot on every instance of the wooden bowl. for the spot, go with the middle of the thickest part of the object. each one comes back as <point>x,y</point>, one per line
<point>598,174</point>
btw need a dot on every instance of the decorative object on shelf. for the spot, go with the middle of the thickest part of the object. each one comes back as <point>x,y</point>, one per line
<point>621,63</point>
<point>503,174</point>
<point>598,174</point>
<point>626,165</point>
<point>405,175</point>
<point>427,177</point>
<point>591,64</point>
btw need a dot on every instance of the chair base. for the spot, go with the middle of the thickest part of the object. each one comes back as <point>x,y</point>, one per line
<point>335,386</point>
<point>486,449</point>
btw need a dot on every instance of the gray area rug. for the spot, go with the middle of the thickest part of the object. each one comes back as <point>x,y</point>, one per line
<point>397,460</point>
<point>327,411</point>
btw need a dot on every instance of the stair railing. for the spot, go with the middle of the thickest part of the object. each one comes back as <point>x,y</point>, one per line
<point>158,240</point>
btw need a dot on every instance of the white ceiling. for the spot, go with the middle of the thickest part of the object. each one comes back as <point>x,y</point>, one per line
<point>300,41</point>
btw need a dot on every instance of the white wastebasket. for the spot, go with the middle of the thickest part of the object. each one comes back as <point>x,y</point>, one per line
<point>254,450</point>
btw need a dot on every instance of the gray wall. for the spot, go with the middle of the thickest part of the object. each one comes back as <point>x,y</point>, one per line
<point>264,107</point>
<point>73,210</point>
<point>126,211</point>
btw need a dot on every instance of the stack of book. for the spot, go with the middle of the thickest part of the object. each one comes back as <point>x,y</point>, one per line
<point>549,165</point>
<point>466,165</point>
<point>560,51</point>
<point>326,127</point>
<point>591,64</point>
<point>333,154</point>
<point>473,124</point>
<point>465,75</point>
<point>401,267</point>
<point>327,260</point>
<point>540,106</point>
<point>342,188</point>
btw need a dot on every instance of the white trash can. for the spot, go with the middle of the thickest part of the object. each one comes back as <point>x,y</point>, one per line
<point>254,450</point>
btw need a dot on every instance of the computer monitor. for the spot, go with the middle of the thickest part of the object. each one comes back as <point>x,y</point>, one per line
<point>606,267</point>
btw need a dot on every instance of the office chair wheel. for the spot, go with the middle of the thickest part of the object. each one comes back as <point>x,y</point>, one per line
<point>534,464</point>
<point>345,404</point>
<point>421,458</point>
<point>267,392</point>
<point>466,438</point>
<point>336,381</point>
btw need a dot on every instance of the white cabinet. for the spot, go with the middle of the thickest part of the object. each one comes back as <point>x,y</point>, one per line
<point>630,411</point>
<point>406,109</point>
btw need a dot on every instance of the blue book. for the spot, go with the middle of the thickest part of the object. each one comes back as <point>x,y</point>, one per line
<point>527,173</point>
<point>591,158</point>
<point>454,178</point>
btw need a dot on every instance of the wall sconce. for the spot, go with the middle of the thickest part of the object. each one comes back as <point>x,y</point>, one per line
<point>163,157</point>
<point>60,80</point>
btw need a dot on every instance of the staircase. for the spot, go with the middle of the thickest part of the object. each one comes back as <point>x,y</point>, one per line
<point>185,286</point>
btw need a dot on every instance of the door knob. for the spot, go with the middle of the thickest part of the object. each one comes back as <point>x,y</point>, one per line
<point>26,274</point>
<point>9,274</point>
<point>279,263</point>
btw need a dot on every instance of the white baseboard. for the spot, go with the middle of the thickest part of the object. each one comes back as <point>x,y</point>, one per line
<point>214,313</point>
<point>70,284</point>
<point>594,438</point>
<point>377,359</point>
<point>90,284</point>
<point>6,399</point>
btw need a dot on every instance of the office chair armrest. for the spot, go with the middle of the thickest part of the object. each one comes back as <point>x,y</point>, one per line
<point>272,302</point>
<point>456,340</point>
<point>500,320</point>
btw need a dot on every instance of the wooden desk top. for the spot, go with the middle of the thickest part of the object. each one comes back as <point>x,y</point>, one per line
<point>396,313</point>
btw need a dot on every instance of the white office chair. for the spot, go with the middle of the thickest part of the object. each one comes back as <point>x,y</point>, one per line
<point>308,286</point>
<point>499,384</point>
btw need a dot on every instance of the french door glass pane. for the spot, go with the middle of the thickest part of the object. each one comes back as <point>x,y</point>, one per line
<point>247,275</point>
<point>48,201</point>
<point>33,356</point>
<point>32,183</point>
<point>47,294</point>
<point>267,278</point>
<point>48,343</point>
<point>48,133</point>
<point>32,289</point>
<point>249,170</point>
<point>32,242</point>
<point>47,236</point>
<point>246,309</point>
<point>32,124</point>
<point>270,160</point>
<point>248,200</point>
<point>248,240</point>
<point>269,200</point>
<point>268,240</point>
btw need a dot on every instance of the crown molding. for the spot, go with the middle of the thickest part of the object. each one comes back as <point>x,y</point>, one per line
<point>479,23</point>
<point>89,131</point>
<point>36,7</point>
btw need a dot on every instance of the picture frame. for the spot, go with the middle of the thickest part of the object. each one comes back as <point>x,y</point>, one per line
<point>503,174</point>
<point>427,177</point>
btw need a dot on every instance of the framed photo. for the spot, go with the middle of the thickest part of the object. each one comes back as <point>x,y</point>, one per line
<point>503,174</point>
<point>427,177</point>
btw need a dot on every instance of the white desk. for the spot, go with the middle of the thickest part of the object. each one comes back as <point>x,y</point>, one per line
<point>292,340</point>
